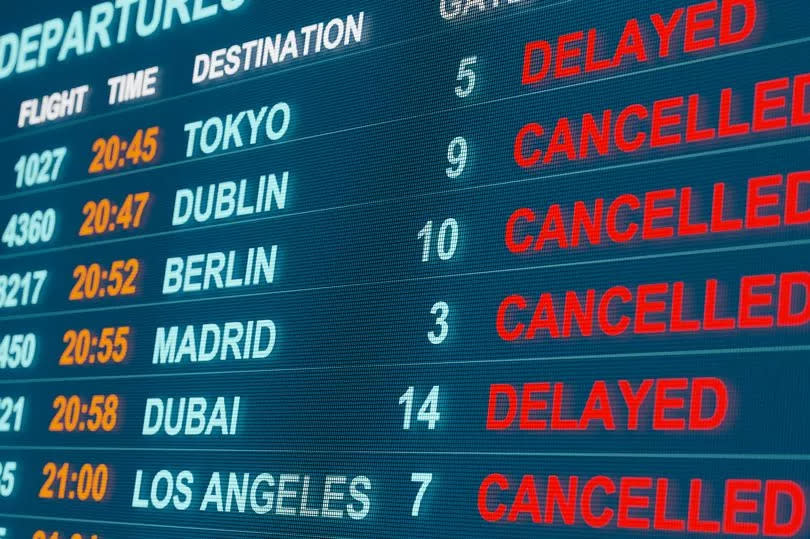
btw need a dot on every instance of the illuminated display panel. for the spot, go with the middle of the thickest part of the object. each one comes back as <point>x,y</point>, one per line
<point>415,269</point>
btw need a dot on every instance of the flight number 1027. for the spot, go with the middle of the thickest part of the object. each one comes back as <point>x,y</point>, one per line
<point>39,168</point>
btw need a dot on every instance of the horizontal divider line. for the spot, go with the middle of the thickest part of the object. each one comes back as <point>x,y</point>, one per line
<point>512,454</point>
<point>167,526</point>
<point>655,256</point>
<point>379,366</point>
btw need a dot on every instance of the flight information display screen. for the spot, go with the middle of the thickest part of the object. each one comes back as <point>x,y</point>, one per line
<point>404,269</point>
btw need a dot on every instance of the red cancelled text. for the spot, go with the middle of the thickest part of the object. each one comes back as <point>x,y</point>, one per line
<point>765,301</point>
<point>771,508</point>
<point>769,202</point>
<point>778,105</point>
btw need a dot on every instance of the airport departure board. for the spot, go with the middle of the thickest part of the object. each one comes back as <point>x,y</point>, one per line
<point>404,269</point>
